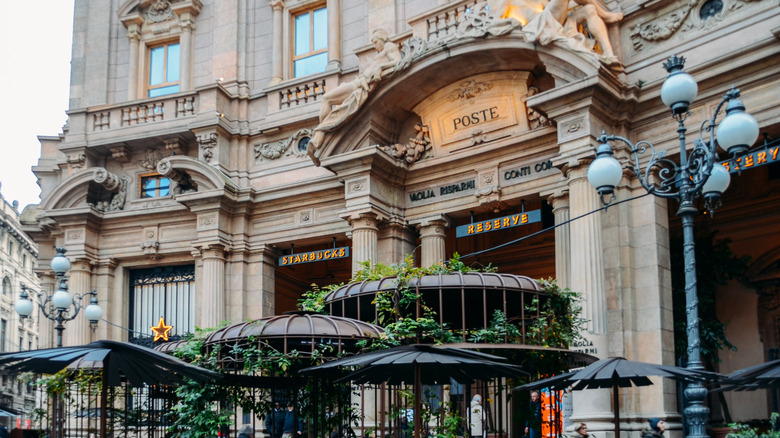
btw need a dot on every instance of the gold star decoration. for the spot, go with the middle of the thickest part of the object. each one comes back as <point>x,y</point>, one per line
<point>161,330</point>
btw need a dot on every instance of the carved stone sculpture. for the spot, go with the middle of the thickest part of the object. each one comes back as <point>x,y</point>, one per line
<point>559,23</point>
<point>343,101</point>
<point>415,148</point>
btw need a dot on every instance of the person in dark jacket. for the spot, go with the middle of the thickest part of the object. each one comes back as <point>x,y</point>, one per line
<point>655,428</point>
<point>293,426</point>
<point>533,426</point>
<point>274,421</point>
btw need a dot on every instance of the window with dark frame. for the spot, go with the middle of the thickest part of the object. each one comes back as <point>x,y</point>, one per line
<point>155,186</point>
<point>167,292</point>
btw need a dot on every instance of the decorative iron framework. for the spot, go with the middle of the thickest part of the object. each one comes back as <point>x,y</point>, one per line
<point>166,292</point>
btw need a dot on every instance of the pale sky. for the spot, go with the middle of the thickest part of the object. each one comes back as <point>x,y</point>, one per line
<point>35,43</point>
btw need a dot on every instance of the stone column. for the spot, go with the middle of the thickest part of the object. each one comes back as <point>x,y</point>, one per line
<point>432,235</point>
<point>185,41</point>
<point>396,240</point>
<point>261,283</point>
<point>112,304</point>
<point>560,204</point>
<point>334,34</point>
<point>587,277</point>
<point>276,42</point>
<point>134,35</point>
<point>212,298</point>
<point>77,331</point>
<point>364,239</point>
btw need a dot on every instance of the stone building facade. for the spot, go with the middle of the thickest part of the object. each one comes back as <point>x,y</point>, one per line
<point>217,152</point>
<point>18,261</point>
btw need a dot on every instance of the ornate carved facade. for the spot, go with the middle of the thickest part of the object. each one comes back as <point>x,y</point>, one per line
<point>454,115</point>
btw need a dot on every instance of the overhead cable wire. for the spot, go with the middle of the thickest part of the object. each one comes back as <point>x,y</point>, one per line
<point>503,245</point>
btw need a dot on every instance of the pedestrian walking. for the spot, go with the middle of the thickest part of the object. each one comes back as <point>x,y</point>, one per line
<point>581,431</point>
<point>476,421</point>
<point>533,425</point>
<point>655,429</point>
<point>293,426</point>
<point>274,421</point>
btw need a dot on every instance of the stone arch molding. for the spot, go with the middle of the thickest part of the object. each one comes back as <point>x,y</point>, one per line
<point>192,175</point>
<point>71,193</point>
<point>399,97</point>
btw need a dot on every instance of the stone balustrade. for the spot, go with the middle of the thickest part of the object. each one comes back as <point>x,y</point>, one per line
<point>143,112</point>
<point>440,24</point>
<point>301,93</point>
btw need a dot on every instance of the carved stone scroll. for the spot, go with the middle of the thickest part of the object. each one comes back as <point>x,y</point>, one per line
<point>114,184</point>
<point>183,180</point>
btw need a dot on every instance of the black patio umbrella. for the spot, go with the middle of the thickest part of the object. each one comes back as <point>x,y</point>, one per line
<point>418,365</point>
<point>617,372</point>
<point>123,361</point>
<point>761,376</point>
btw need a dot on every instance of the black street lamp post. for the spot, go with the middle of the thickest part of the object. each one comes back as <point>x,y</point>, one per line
<point>698,174</point>
<point>59,307</point>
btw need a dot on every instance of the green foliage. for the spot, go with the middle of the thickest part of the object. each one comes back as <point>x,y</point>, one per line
<point>497,331</point>
<point>741,430</point>
<point>716,265</point>
<point>312,300</point>
<point>559,323</point>
<point>452,422</point>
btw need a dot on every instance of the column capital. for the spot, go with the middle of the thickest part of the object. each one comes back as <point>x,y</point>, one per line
<point>211,251</point>
<point>81,265</point>
<point>108,263</point>
<point>559,198</point>
<point>276,5</point>
<point>364,220</point>
<point>134,29</point>
<point>437,220</point>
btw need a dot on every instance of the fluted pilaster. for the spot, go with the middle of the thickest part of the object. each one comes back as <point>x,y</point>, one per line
<point>212,302</point>
<point>560,205</point>
<point>432,236</point>
<point>364,240</point>
<point>587,264</point>
<point>77,331</point>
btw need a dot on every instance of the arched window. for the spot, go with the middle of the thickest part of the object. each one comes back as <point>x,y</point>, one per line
<point>6,286</point>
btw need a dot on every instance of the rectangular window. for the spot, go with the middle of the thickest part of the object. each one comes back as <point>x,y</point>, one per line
<point>310,42</point>
<point>155,186</point>
<point>164,66</point>
<point>167,292</point>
